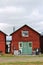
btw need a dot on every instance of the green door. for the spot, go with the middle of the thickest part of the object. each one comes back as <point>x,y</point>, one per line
<point>26,48</point>
<point>29,48</point>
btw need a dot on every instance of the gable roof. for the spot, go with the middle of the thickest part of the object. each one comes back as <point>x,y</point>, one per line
<point>28,27</point>
<point>3,33</point>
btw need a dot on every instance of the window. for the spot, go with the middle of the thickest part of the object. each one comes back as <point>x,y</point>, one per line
<point>30,45</point>
<point>25,33</point>
<point>20,44</point>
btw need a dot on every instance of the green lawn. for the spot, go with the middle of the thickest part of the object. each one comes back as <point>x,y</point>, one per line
<point>21,60</point>
<point>22,63</point>
<point>10,55</point>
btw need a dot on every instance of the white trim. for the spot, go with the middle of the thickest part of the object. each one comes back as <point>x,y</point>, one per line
<point>20,48</point>
<point>24,34</point>
<point>19,45</point>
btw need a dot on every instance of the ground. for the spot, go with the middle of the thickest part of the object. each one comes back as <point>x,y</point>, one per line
<point>21,60</point>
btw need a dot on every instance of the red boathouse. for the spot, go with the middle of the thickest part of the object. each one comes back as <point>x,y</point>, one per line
<point>2,42</point>
<point>25,40</point>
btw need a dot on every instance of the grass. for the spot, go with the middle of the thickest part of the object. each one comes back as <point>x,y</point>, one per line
<point>13,57</point>
<point>25,56</point>
<point>22,63</point>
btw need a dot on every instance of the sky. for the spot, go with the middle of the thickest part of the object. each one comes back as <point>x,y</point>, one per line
<point>16,13</point>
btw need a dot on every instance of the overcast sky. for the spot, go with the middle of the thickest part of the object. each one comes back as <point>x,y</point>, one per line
<point>19,12</point>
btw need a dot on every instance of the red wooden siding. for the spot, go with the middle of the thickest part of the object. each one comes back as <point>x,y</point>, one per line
<point>2,42</point>
<point>33,37</point>
<point>41,43</point>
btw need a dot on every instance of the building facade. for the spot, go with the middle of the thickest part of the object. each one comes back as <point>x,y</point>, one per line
<point>25,40</point>
<point>2,42</point>
<point>41,43</point>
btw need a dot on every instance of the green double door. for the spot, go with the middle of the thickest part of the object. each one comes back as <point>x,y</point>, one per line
<point>26,48</point>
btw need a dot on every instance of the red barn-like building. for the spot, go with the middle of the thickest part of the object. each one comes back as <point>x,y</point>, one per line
<point>25,40</point>
<point>2,42</point>
<point>41,43</point>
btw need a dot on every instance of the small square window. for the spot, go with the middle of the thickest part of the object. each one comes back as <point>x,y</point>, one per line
<point>30,45</point>
<point>20,45</point>
<point>25,33</point>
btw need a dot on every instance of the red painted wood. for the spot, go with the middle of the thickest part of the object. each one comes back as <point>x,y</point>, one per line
<point>33,37</point>
<point>2,42</point>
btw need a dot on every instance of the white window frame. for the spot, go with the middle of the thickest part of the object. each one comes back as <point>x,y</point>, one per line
<point>20,48</point>
<point>19,44</point>
<point>24,34</point>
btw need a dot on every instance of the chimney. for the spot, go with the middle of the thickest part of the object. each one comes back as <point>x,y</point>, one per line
<point>13,29</point>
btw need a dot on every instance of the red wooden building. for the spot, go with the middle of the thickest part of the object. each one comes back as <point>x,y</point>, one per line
<point>2,42</point>
<point>25,40</point>
<point>41,43</point>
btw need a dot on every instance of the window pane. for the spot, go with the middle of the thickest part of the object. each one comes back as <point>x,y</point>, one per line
<point>25,33</point>
<point>30,45</point>
<point>20,45</point>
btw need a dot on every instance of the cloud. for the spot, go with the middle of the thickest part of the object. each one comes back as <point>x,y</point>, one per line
<point>20,12</point>
<point>11,9</point>
<point>35,15</point>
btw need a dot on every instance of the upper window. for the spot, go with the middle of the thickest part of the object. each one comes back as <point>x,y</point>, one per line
<point>25,33</point>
